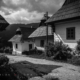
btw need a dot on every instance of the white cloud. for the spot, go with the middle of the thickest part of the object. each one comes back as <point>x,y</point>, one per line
<point>23,15</point>
<point>15,2</point>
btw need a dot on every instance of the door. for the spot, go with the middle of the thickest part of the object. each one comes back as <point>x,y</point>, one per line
<point>30,46</point>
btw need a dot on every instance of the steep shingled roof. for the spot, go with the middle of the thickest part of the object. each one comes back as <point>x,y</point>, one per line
<point>2,19</point>
<point>3,23</point>
<point>41,31</point>
<point>25,32</point>
<point>16,38</point>
<point>70,9</point>
<point>11,30</point>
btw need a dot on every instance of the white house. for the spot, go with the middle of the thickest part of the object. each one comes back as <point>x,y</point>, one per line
<point>66,22</point>
<point>40,35</point>
<point>20,40</point>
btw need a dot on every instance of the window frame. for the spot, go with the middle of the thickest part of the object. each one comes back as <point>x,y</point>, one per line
<point>30,46</point>
<point>70,33</point>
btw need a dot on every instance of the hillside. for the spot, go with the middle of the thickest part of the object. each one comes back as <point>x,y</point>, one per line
<point>11,30</point>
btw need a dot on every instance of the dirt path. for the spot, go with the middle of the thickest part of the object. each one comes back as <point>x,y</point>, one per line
<point>14,59</point>
<point>66,72</point>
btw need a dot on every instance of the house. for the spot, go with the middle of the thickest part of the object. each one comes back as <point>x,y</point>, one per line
<point>41,36</point>
<point>20,40</point>
<point>66,22</point>
<point>3,23</point>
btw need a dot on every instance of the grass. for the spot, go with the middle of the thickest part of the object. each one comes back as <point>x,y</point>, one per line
<point>32,70</point>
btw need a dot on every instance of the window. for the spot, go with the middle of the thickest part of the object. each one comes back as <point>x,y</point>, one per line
<point>30,46</point>
<point>70,33</point>
<point>42,43</point>
<point>16,46</point>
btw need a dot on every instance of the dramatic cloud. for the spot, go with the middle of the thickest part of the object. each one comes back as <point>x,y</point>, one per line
<point>26,11</point>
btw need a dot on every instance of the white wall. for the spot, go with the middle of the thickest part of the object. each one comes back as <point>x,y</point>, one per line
<point>61,30</point>
<point>37,41</point>
<point>18,50</point>
<point>25,46</point>
<point>21,47</point>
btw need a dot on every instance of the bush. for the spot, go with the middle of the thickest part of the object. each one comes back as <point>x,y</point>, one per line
<point>36,51</point>
<point>59,51</point>
<point>3,60</point>
<point>78,47</point>
<point>1,50</point>
<point>10,73</point>
<point>39,52</point>
<point>75,60</point>
<point>25,52</point>
<point>6,50</point>
<point>32,52</point>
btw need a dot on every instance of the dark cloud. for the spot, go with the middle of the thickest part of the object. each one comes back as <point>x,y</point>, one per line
<point>34,5</point>
<point>13,8</point>
<point>46,5</point>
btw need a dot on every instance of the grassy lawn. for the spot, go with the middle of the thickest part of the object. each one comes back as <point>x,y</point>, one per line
<point>32,70</point>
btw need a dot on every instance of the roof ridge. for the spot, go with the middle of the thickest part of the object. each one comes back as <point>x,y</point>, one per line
<point>70,10</point>
<point>69,2</point>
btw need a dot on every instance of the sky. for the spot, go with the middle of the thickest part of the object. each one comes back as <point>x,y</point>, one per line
<point>27,11</point>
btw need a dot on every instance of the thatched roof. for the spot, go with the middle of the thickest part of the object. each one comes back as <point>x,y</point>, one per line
<point>70,9</point>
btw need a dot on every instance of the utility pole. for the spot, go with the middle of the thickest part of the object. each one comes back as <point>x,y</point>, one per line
<point>46,16</point>
<point>47,39</point>
<point>44,19</point>
<point>47,33</point>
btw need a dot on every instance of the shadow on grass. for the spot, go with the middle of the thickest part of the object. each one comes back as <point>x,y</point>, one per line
<point>31,70</point>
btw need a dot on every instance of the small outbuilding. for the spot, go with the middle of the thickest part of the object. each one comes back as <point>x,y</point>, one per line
<point>20,40</point>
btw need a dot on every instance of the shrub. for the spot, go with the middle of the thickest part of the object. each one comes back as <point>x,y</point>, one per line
<point>75,60</point>
<point>10,73</point>
<point>59,51</point>
<point>3,60</point>
<point>39,52</point>
<point>33,51</point>
<point>6,50</point>
<point>1,50</point>
<point>25,52</point>
<point>78,47</point>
